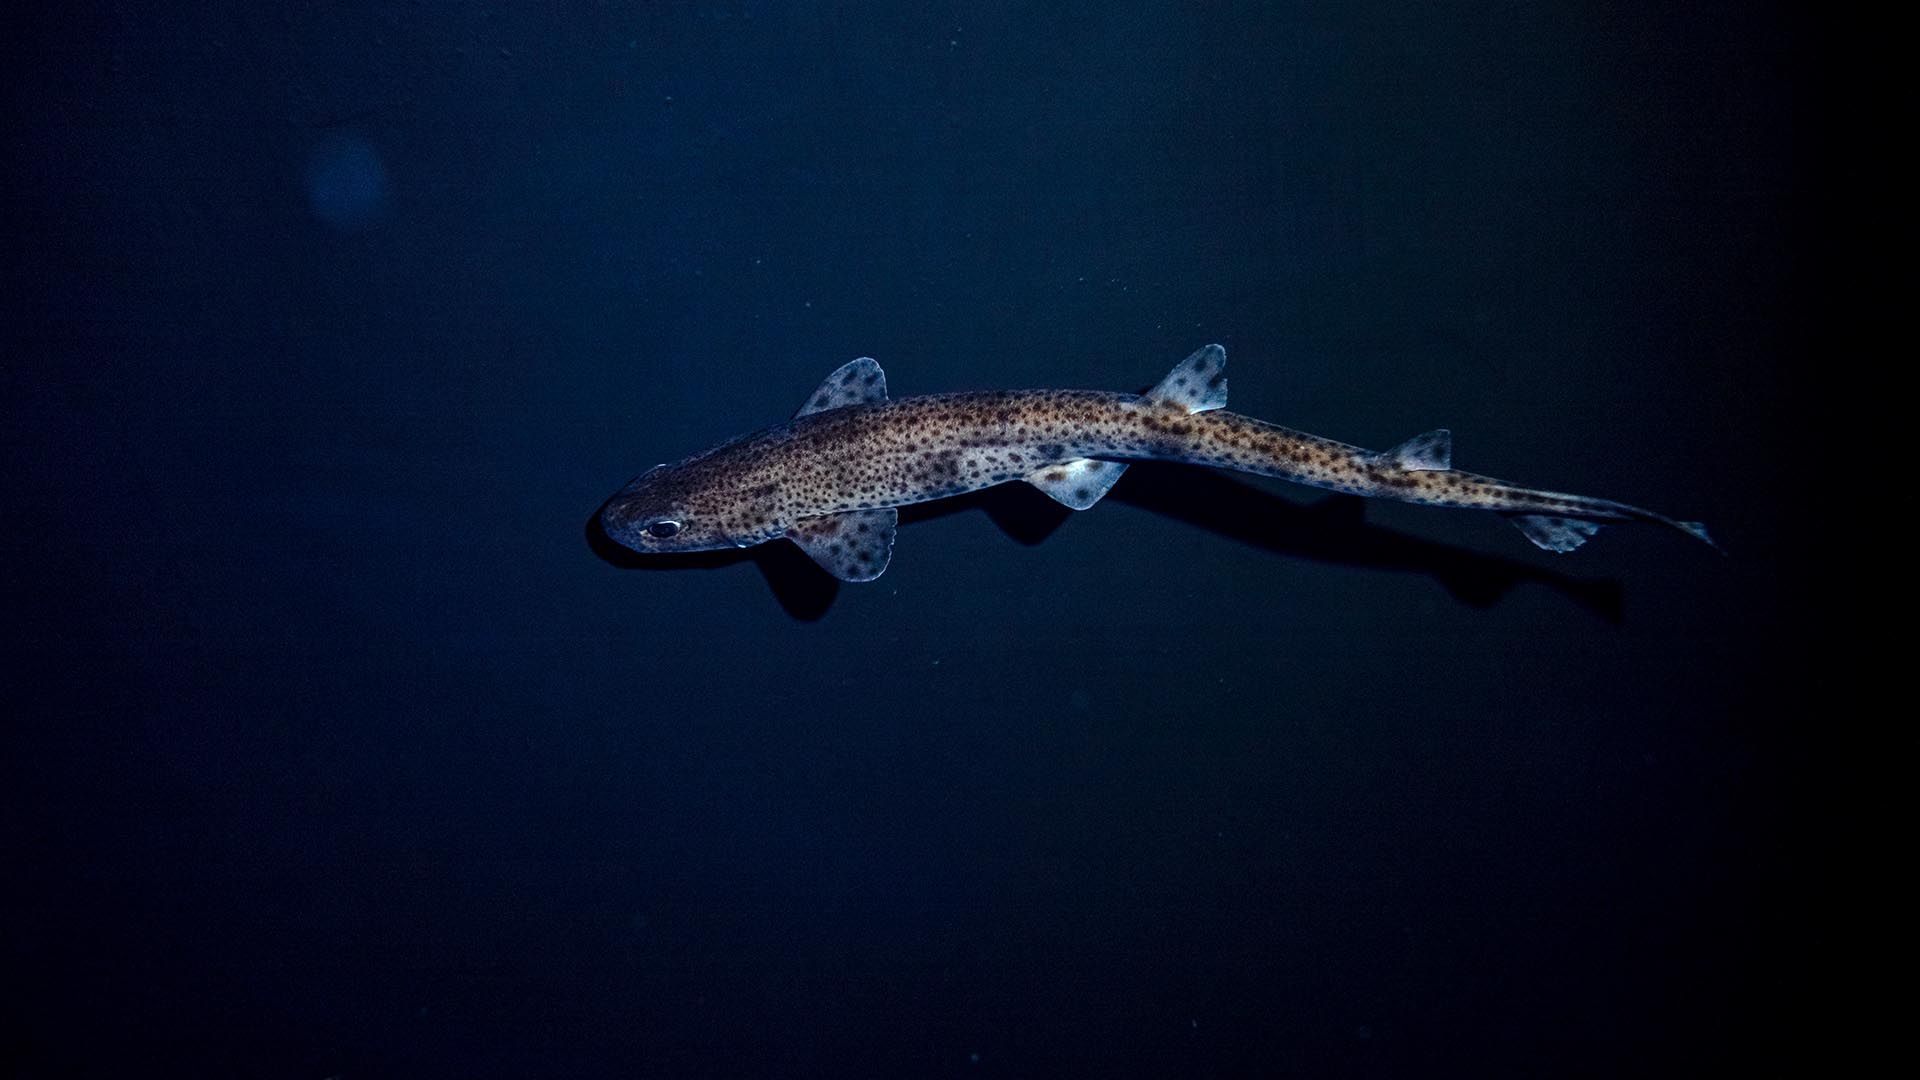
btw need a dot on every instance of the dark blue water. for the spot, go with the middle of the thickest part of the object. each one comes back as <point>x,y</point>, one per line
<point>337,745</point>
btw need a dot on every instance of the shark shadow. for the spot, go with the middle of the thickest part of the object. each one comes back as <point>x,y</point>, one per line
<point>1332,530</point>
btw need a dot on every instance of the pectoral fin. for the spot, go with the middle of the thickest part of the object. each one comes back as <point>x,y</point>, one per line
<point>1078,483</point>
<point>854,546</point>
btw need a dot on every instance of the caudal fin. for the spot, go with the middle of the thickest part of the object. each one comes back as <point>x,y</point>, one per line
<point>1562,534</point>
<point>1699,532</point>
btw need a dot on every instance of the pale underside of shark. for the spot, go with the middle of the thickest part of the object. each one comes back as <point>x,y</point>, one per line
<point>830,479</point>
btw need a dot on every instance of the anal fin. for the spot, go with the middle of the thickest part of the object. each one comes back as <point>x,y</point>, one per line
<point>1078,483</point>
<point>1552,532</point>
<point>853,546</point>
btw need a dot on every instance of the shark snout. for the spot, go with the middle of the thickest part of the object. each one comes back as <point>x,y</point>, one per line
<point>623,525</point>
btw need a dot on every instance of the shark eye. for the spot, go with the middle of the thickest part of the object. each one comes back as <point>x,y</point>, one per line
<point>661,530</point>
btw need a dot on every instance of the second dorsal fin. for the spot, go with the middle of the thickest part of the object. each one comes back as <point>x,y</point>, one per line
<point>1430,451</point>
<point>1197,383</point>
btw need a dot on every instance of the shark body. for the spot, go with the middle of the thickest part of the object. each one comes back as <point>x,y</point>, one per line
<point>831,478</point>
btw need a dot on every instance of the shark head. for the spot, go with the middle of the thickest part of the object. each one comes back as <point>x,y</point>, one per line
<point>668,509</point>
<point>721,498</point>
<point>730,496</point>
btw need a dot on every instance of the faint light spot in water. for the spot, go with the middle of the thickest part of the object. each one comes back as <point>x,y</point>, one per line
<point>346,182</point>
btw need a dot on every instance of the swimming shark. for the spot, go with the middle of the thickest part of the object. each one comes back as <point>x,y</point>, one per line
<point>831,478</point>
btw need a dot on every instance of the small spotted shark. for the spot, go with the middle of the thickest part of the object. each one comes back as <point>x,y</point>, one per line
<point>831,478</point>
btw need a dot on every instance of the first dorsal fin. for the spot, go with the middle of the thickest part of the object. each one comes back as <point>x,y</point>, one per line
<point>1197,383</point>
<point>856,382</point>
<point>1430,451</point>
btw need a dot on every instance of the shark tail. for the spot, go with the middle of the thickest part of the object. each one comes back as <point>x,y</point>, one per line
<point>1698,532</point>
<point>1563,532</point>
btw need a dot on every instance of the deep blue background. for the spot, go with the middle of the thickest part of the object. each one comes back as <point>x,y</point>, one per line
<point>337,746</point>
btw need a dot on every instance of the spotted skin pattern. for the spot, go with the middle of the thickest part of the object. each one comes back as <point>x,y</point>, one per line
<point>852,452</point>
